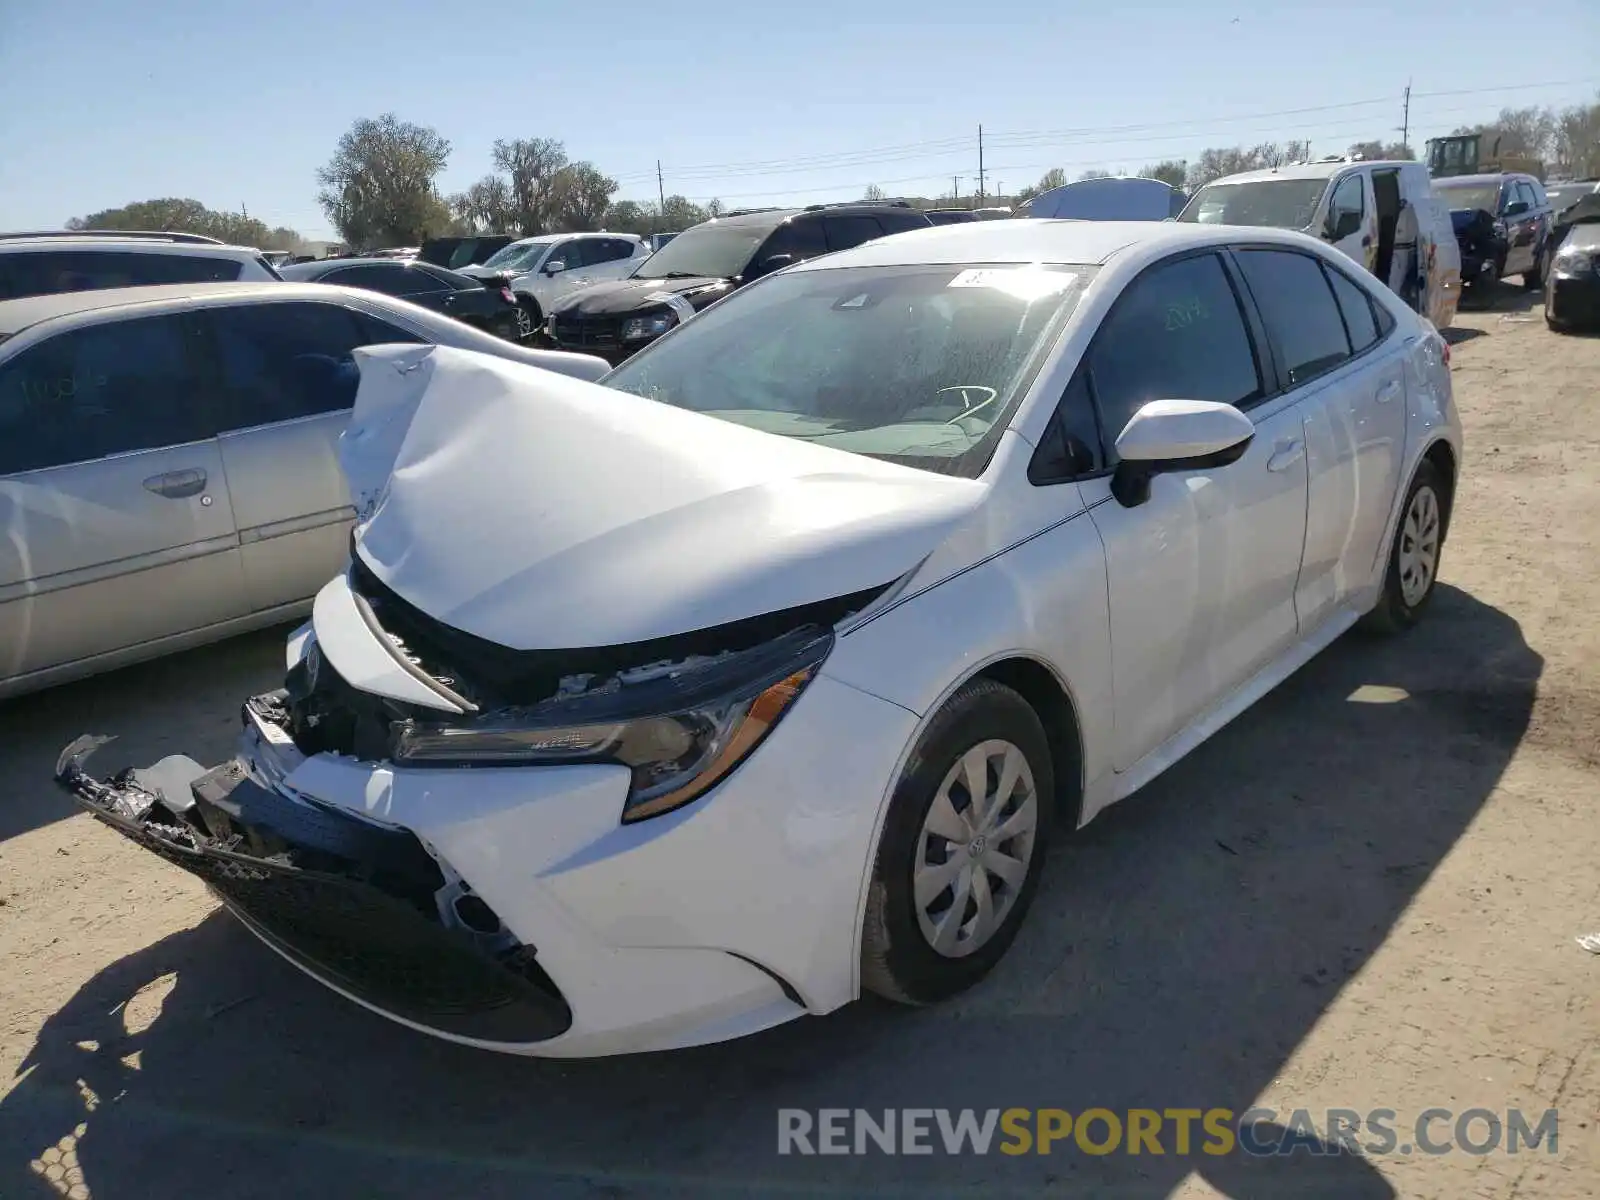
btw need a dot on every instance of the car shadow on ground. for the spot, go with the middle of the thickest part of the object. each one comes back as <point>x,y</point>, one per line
<point>1180,949</point>
<point>149,707</point>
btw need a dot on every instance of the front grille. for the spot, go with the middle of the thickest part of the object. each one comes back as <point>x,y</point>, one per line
<point>390,950</point>
<point>581,329</point>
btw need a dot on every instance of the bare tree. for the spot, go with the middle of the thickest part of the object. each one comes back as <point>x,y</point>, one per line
<point>1095,174</point>
<point>1577,140</point>
<point>873,194</point>
<point>485,206</point>
<point>377,189</point>
<point>1053,178</point>
<point>1171,172</point>
<point>1380,151</point>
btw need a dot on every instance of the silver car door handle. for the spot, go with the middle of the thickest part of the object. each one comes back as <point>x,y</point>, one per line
<point>1285,455</point>
<point>177,485</point>
<point>1389,391</point>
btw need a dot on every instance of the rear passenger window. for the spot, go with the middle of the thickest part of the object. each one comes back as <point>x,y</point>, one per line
<point>282,361</point>
<point>846,232</point>
<point>50,272</point>
<point>1356,308</point>
<point>1175,334</point>
<point>1299,310</point>
<point>102,390</point>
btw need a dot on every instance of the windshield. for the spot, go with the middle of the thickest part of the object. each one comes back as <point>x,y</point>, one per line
<point>1280,203</point>
<point>1469,195</point>
<point>1562,198</point>
<point>516,255</point>
<point>719,251</point>
<point>916,365</point>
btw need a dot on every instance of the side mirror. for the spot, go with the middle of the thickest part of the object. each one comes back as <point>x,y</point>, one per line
<point>1342,224</point>
<point>554,267</point>
<point>1176,435</point>
<point>1516,208</point>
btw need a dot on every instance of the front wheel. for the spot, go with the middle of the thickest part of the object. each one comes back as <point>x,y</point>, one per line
<point>528,318</point>
<point>1414,556</point>
<point>1535,278</point>
<point>962,848</point>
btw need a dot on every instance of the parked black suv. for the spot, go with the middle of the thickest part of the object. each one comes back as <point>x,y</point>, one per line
<point>1516,240</point>
<point>701,265</point>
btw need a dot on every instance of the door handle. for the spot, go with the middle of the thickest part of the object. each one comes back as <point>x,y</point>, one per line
<point>1366,241</point>
<point>1286,454</point>
<point>1389,391</point>
<point>177,485</point>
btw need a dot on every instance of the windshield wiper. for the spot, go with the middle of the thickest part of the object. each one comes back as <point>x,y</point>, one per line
<point>679,275</point>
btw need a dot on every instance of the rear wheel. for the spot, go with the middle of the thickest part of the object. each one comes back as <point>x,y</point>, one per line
<point>961,850</point>
<point>1414,556</point>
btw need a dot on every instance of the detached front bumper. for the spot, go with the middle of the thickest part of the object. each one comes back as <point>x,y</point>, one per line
<point>1574,299</point>
<point>363,907</point>
<point>508,908</point>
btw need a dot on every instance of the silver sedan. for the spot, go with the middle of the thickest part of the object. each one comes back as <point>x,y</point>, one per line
<point>167,461</point>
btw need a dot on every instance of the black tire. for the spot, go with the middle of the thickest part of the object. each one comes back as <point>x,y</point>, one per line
<point>529,306</point>
<point>1535,278</point>
<point>897,961</point>
<point>1394,612</point>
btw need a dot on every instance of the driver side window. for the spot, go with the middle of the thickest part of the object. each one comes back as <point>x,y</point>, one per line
<point>1349,198</point>
<point>1176,333</point>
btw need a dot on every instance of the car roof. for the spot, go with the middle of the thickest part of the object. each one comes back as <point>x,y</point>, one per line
<point>17,315</point>
<point>310,270</point>
<point>1038,240</point>
<point>1480,180</point>
<point>1311,170</point>
<point>146,245</point>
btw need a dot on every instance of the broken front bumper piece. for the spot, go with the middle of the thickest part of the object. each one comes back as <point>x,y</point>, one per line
<point>361,906</point>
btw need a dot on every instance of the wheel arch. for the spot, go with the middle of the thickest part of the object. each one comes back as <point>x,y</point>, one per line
<point>1442,457</point>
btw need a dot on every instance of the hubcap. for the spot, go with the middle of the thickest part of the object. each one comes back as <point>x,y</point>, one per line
<point>1419,546</point>
<point>976,843</point>
<point>524,322</point>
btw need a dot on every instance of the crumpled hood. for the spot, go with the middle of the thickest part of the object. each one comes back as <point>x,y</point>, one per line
<point>543,512</point>
<point>635,295</point>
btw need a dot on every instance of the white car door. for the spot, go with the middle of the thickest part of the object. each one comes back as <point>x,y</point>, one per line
<point>115,522</point>
<point>1353,220</point>
<point>1351,387</point>
<point>1201,576</point>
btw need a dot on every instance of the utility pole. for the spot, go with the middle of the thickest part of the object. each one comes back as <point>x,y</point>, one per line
<point>661,192</point>
<point>1405,118</point>
<point>980,164</point>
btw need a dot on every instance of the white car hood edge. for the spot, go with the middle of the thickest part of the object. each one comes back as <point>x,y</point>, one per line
<point>544,512</point>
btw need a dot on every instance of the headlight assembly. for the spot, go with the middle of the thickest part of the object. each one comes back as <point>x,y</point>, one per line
<point>1572,259</point>
<point>680,730</point>
<point>638,328</point>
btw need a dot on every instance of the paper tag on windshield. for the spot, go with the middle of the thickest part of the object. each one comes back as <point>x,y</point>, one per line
<point>1028,283</point>
<point>675,302</point>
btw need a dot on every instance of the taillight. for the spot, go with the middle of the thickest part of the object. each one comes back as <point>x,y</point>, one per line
<point>1446,346</point>
<point>507,295</point>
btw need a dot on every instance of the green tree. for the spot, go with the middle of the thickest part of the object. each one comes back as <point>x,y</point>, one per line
<point>679,214</point>
<point>485,207</point>
<point>629,216</point>
<point>578,199</point>
<point>1053,178</point>
<point>1381,151</point>
<point>173,215</point>
<point>378,188</point>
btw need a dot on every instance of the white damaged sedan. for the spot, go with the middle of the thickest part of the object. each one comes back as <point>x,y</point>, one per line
<point>659,711</point>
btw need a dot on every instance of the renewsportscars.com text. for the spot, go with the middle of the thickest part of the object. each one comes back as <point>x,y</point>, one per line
<point>1176,1131</point>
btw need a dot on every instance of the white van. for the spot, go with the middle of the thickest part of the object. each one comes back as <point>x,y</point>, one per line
<point>1384,215</point>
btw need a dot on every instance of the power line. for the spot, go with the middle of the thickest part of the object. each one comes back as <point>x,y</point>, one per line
<point>931,147</point>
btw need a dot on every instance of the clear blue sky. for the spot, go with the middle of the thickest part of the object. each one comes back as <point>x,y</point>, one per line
<point>237,104</point>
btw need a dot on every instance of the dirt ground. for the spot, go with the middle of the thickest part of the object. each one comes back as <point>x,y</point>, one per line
<point>1334,904</point>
